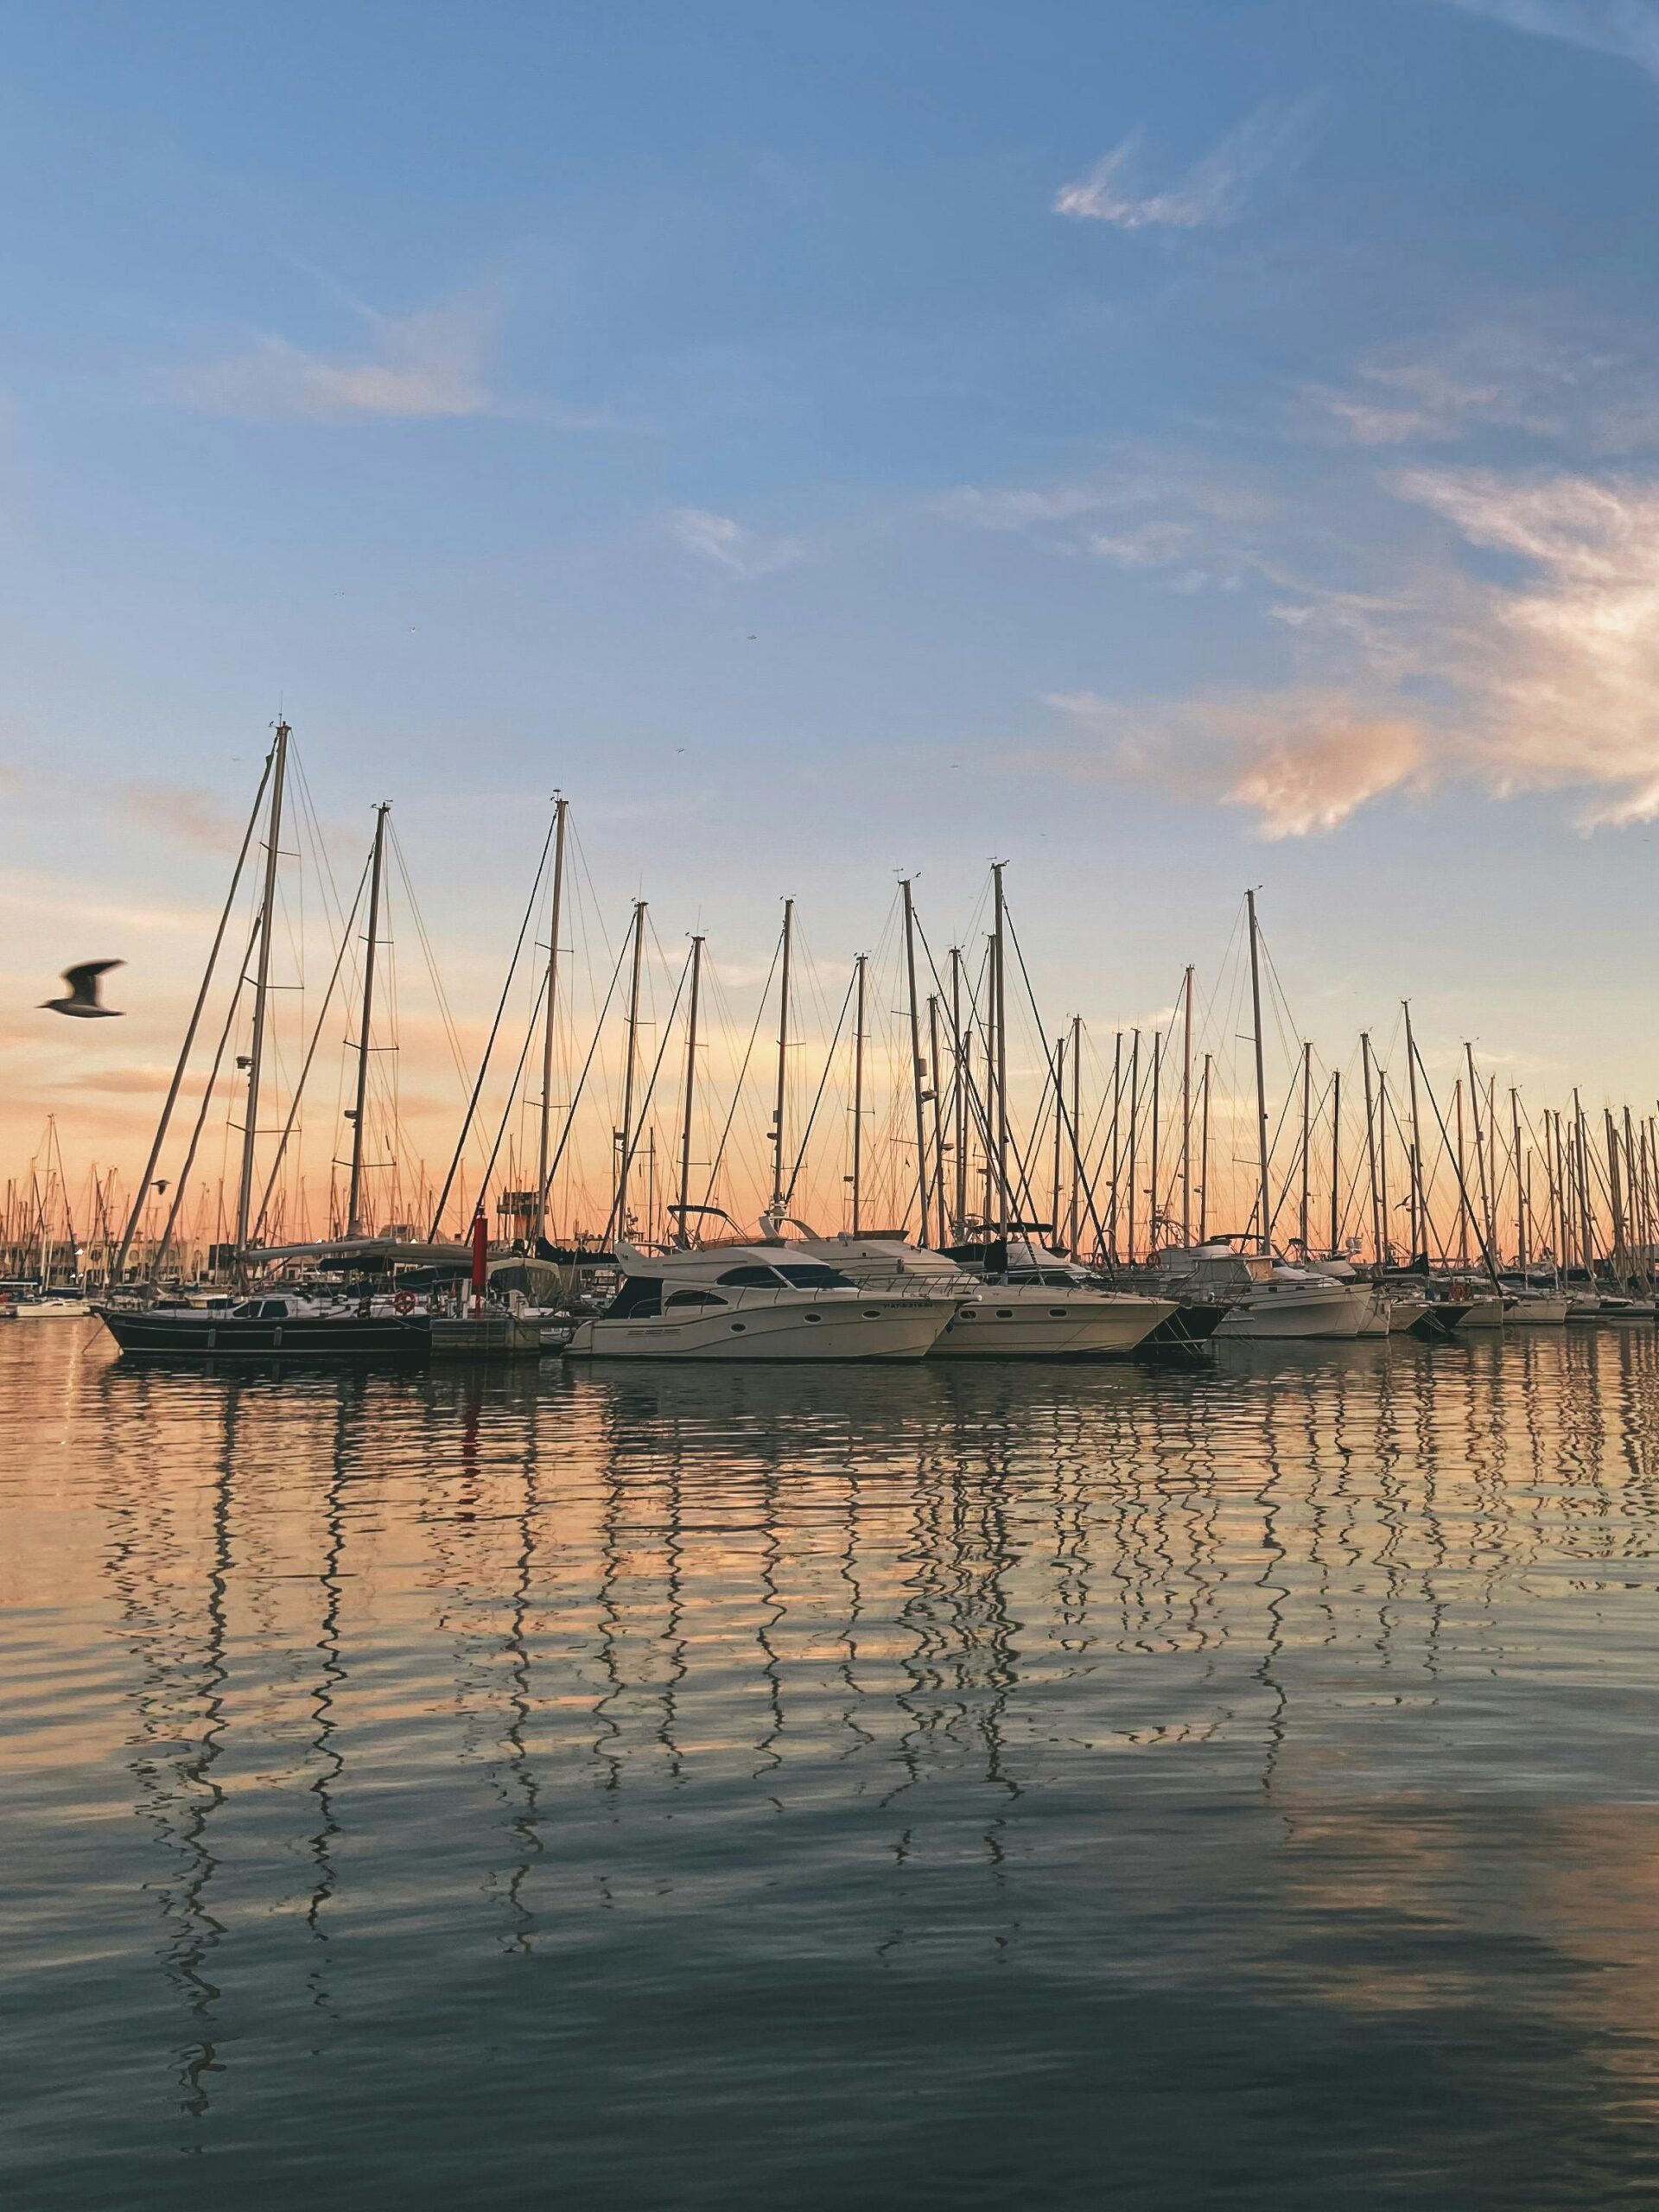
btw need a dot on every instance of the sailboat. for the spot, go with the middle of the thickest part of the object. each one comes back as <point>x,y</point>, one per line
<point>377,1316</point>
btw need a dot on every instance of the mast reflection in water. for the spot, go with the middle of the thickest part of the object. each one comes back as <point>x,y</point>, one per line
<point>917,1787</point>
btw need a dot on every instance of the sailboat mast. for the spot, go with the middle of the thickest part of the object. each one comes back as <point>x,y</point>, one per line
<point>858,1096</point>
<point>917,1063</point>
<point>1307,1131</point>
<point>1135,1134</point>
<point>683,1216</point>
<point>1336,1158</point>
<point>1519,1185</point>
<point>782,1061</point>
<point>359,1114</point>
<point>936,1083</point>
<point>1370,1147</point>
<point>626,1131</point>
<point>1204,1156</point>
<point>1059,1138</point>
<point>262,987</point>
<point>549,1011</point>
<point>1419,1213</point>
<point>1157,1100</point>
<point>1186,1112</point>
<point>1264,1239</point>
<point>1076,1138</point>
<point>1117,1100</point>
<point>1000,1001</point>
<point>959,1058</point>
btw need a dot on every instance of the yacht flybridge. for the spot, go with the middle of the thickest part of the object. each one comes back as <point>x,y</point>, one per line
<point>755,1302</point>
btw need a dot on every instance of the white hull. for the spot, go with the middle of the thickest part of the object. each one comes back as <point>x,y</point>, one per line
<point>1271,1315</point>
<point>52,1309</point>
<point>1374,1313</point>
<point>1483,1313</point>
<point>1544,1313</point>
<point>1404,1314</point>
<point>1012,1322</point>
<point>821,1330</point>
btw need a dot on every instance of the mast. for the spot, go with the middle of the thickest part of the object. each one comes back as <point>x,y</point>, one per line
<point>1117,1096</point>
<point>1073,1224</point>
<point>1581,1153</point>
<point>858,1096</point>
<point>1463,1187</point>
<point>1059,1137</point>
<point>1419,1214</point>
<point>1203,1157</point>
<point>262,987</point>
<point>1157,1098</point>
<point>1385,1254</point>
<point>1336,1158</point>
<point>1519,1187</point>
<point>959,1053</point>
<point>354,1198</point>
<point>1480,1149</point>
<point>917,1063</point>
<point>1307,1103</point>
<point>626,1131</point>
<point>783,1062</point>
<point>1135,1135</point>
<point>1615,1199</point>
<point>1000,1000</point>
<point>1370,1145</point>
<point>937,1084</point>
<point>682,1213</point>
<point>542,1151</point>
<point>1186,1114</point>
<point>1264,1240</point>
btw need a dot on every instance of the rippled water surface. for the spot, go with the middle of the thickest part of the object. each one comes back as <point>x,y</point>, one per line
<point>1028,1787</point>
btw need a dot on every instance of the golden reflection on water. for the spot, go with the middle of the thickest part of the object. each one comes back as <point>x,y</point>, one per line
<point>1008,1662</point>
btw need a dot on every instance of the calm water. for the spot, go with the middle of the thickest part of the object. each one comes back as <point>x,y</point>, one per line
<point>1042,1788</point>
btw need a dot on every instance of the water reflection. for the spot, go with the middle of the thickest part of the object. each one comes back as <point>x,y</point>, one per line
<point>1302,1682</point>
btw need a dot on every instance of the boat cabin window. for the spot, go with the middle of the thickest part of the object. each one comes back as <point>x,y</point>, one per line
<point>639,1298</point>
<point>813,1276</point>
<point>752,1278</point>
<point>694,1298</point>
<point>261,1309</point>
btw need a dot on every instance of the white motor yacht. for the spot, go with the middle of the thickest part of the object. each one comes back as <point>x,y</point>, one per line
<point>755,1302</point>
<point>1037,1305</point>
<point>1269,1300</point>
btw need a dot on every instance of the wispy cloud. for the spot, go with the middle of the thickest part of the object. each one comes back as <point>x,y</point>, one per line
<point>1627,29</point>
<point>1196,525</point>
<point>1300,760</point>
<point>432,363</point>
<point>1545,682</point>
<point>1212,191</point>
<point>729,545</point>
<point>1563,670</point>
<point>1508,372</point>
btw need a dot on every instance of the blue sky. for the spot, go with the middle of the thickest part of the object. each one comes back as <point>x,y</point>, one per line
<point>1166,447</point>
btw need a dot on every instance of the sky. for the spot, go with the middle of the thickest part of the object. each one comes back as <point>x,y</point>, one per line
<point>1167,449</point>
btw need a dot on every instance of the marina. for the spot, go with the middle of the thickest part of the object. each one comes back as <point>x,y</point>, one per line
<point>1031,1209</point>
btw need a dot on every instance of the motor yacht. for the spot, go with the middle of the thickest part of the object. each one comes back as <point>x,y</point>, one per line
<point>1012,1299</point>
<point>1268,1299</point>
<point>756,1301</point>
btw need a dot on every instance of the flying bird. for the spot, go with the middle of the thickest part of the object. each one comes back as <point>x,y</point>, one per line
<point>82,1000</point>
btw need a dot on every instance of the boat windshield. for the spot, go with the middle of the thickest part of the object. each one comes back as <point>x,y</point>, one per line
<point>807,1275</point>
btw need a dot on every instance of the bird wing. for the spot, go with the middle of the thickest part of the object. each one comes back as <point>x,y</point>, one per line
<point>83,979</point>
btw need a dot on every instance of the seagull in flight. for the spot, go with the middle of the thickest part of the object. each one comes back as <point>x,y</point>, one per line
<point>82,1000</point>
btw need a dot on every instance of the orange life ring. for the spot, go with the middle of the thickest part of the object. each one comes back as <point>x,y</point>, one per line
<point>405,1302</point>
